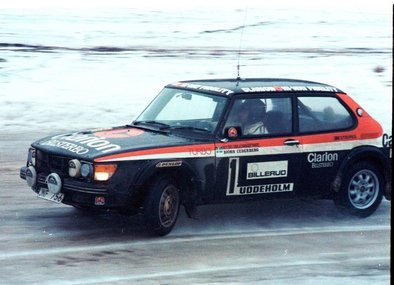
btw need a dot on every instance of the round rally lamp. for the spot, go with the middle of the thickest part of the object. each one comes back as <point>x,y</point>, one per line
<point>54,183</point>
<point>74,168</point>
<point>31,176</point>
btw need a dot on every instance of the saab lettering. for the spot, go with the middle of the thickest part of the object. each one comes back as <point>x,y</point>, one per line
<point>386,140</point>
<point>92,142</point>
<point>262,189</point>
<point>270,169</point>
<point>319,160</point>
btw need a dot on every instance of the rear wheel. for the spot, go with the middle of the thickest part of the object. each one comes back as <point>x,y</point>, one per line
<point>162,206</point>
<point>362,190</point>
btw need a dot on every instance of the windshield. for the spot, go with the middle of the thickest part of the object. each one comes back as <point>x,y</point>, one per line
<point>183,109</point>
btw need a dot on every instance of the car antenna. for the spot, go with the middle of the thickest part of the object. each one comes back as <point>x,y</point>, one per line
<point>240,46</point>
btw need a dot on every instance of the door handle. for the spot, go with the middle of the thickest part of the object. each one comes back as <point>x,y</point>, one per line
<point>291,142</point>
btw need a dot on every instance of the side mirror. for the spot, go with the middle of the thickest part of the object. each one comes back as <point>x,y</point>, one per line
<point>232,132</point>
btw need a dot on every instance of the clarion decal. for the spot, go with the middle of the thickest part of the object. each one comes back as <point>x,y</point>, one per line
<point>96,143</point>
<point>320,160</point>
<point>386,140</point>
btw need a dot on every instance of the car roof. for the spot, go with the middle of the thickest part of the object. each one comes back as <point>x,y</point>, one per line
<point>253,85</point>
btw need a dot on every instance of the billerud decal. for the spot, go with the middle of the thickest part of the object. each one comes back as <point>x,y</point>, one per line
<point>270,169</point>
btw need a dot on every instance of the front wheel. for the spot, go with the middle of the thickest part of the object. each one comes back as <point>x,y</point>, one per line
<point>162,206</point>
<point>361,191</point>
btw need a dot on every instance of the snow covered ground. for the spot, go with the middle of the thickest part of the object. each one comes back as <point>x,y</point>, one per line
<point>81,68</point>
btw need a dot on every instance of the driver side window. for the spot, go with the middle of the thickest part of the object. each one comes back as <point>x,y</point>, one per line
<point>261,116</point>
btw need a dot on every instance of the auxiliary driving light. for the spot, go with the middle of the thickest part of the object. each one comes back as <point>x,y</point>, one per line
<point>54,183</point>
<point>31,176</point>
<point>74,168</point>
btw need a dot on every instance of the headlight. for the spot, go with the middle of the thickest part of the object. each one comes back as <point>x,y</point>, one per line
<point>74,168</point>
<point>86,170</point>
<point>103,172</point>
<point>31,157</point>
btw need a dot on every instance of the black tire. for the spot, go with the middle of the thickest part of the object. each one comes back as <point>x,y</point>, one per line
<point>161,206</point>
<point>361,190</point>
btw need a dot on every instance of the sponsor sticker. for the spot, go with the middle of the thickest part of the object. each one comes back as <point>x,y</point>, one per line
<point>345,138</point>
<point>263,189</point>
<point>289,88</point>
<point>232,132</point>
<point>264,170</point>
<point>202,151</point>
<point>204,88</point>
<point>169,164</point>
<point>81,143</point>
<point>240,149</point>
<point>321,160</point>
<point>386,140</point>
<point>99,201</point>
<point>277,167</point>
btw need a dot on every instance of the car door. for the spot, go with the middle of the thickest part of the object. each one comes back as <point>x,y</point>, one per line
<point>258,155</point>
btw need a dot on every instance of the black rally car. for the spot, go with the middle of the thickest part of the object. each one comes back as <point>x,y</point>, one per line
<point>216,141</point>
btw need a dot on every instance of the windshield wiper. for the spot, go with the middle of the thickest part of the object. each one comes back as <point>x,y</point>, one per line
<point>191,129</point>
<point>161,125</point>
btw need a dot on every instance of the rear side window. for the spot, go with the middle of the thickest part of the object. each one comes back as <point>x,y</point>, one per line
<point>318,114</point>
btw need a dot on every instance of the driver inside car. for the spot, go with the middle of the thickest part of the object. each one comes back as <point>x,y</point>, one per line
<point>249,115</point>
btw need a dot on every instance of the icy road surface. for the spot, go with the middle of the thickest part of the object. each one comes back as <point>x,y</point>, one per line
<point>268,242</point>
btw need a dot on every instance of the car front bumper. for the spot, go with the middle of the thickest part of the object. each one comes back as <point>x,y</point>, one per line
<point>78,193</point>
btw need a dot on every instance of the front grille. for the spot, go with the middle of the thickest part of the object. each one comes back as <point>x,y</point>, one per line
<point>48,163</point>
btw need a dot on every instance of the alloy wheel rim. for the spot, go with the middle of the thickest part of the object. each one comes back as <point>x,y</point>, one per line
<point>363,189</point>
<point>169,204</point>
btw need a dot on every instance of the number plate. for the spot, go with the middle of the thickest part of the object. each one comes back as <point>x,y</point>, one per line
<point>45,194</point>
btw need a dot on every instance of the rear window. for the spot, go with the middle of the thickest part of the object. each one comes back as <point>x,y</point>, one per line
<point>321,114</point>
